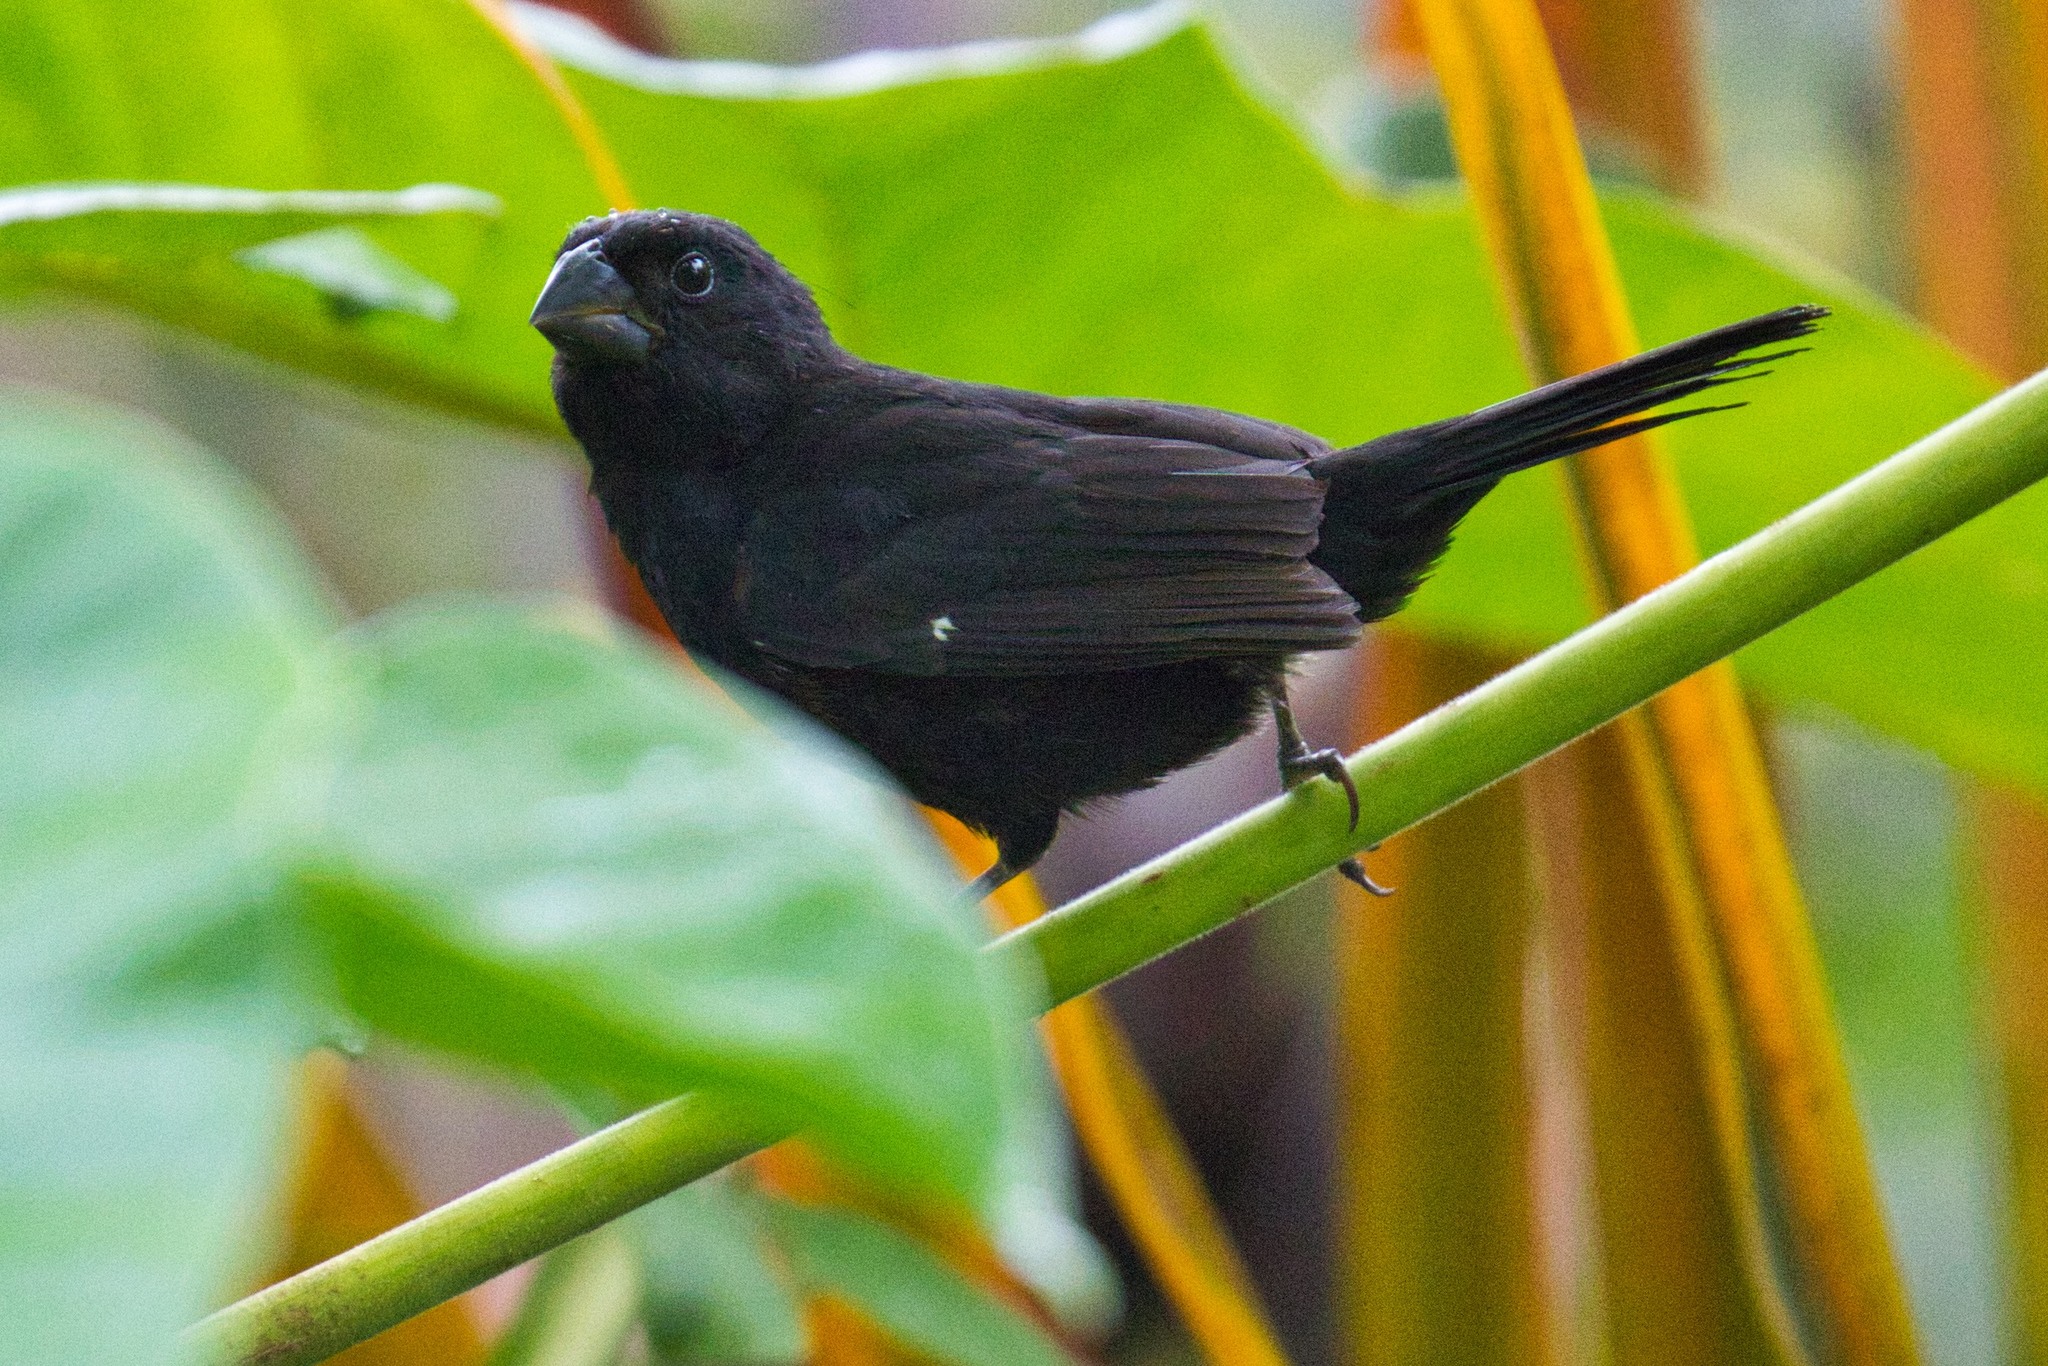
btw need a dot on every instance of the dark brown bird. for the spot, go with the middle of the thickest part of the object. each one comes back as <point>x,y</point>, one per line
<point>1016,603</point>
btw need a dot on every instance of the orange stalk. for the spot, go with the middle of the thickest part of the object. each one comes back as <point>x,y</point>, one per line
<point>2011,839</point>
<point>2026,88</point>
<point>838,1334</point>
<point>1132,1144</point>
<point>1687,1274</point>
<point>1513,134</point>
<point>1437,1220</point>
<point>597,153</point>
<point>1964,247</point>
<point>1975,116</point>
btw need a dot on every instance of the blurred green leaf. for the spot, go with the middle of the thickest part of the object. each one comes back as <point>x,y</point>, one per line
<point>356,274</point>
<point>714,1294</point>
<point>522,840</point>
<point>722,1264</point>
<point>581,1308</point>
<point>298,95</point>
<point>560,854</point>
<point>921,1302</point>
<point>161,650</point>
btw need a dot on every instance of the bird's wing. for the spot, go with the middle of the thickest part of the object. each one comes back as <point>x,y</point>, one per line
<point>1043,555</point>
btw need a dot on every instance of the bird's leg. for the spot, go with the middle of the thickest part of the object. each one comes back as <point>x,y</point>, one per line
<point>1299,763</point>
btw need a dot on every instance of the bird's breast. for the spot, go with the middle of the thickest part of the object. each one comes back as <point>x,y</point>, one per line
<point>683,535</point>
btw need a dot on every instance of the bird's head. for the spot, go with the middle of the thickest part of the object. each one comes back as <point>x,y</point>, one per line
<point>683,290</point>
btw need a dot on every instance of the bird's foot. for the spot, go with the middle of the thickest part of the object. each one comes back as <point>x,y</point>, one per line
<point>1355,871</point>
<point>1300,765</point>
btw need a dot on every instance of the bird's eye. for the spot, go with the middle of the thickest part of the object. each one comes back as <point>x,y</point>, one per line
<point>693,275</point>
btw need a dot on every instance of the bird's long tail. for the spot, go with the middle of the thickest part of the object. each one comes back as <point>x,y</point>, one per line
<point>1393,501</point>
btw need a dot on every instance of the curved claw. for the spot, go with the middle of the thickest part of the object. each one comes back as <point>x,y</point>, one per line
<point>1296,769</point>
<point>1354,870</point>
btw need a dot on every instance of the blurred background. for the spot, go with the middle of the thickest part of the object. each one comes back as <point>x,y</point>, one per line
<point>1805,142</point>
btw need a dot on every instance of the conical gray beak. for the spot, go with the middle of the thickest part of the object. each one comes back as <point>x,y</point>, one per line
<point>589,311</point>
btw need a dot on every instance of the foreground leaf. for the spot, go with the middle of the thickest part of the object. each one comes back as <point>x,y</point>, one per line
<point>713,1293</point>
<point>557,854</point>
<point>161,644</point>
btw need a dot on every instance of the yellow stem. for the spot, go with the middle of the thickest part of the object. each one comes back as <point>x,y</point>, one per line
<point>1436,1209</point>
<point>597,153</point>
<point>1513,134</point>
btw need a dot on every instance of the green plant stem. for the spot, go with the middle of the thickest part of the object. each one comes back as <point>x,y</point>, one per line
<point>494,1228</point>
<point>1619,662</point>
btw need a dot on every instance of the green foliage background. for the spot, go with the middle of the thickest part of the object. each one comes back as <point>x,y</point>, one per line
<point>232,831</point>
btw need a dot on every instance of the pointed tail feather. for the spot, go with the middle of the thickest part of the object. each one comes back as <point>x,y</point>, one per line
<point>1392,502</point>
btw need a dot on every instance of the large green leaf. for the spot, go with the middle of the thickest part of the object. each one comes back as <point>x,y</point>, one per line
<point>297,95</point>
<point>160,650</point>
<point>518,839</point>
<point>557,852</point>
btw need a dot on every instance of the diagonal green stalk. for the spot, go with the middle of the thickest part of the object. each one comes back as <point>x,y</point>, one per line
<point>460,1245</point>
<point>1620,662</point>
